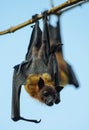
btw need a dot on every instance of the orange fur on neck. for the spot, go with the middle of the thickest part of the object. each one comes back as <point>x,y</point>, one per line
<point>31,85</point>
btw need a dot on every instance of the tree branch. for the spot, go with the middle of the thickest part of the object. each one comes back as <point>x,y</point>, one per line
<point>66,4</point>
<point>70,7</point>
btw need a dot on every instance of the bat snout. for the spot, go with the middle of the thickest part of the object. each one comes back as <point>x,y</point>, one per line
<point>50,104</point>
<point>49,101</point>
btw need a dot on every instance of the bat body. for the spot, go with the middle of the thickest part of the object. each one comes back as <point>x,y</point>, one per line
<point>38,73</point>
<point>66,72</point>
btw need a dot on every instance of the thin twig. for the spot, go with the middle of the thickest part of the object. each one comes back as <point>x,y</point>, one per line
<point>71,7</point>
<point>51,11</point>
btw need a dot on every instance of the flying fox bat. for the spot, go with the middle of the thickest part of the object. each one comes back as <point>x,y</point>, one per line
<point>38,72</point>
<point>66,72</point>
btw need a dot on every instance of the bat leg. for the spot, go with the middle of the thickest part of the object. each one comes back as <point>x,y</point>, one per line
<point>16,90</point>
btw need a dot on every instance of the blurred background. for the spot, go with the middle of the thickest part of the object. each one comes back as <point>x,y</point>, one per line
<point>73,111</point>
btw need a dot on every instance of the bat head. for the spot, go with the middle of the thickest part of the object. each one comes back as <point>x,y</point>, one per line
<point>47,93</point>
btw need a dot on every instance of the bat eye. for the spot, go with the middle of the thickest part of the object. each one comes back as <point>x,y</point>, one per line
<point>45,93</point>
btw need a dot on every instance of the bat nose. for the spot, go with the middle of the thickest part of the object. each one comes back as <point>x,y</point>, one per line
<point>50,102</point>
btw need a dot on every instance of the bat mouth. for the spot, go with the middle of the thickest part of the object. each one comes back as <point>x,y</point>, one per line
<point>50,104</point>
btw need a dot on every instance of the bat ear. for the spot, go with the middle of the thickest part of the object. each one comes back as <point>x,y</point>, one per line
<point>41,83</point>
<point>59,88</point>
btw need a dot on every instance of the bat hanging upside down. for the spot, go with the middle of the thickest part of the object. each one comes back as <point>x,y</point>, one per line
<point>66,72</point>
<point>38,73</point>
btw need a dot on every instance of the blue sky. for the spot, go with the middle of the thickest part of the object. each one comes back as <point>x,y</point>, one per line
<point>73,111</point>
